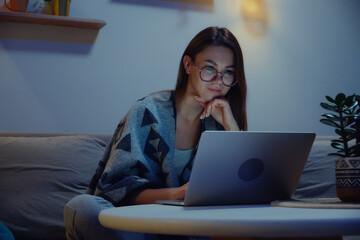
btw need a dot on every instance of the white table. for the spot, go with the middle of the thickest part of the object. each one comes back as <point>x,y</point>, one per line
<point>246,220</point>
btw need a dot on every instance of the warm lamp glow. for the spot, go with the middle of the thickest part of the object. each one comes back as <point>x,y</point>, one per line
<point>251,7</point>
<point>255,16</point>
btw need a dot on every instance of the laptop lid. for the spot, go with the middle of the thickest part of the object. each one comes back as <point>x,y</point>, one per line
<point>243,167</point>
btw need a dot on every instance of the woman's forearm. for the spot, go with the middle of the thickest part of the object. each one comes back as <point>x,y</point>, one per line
<point>149,196</point>
<point>232,127</point>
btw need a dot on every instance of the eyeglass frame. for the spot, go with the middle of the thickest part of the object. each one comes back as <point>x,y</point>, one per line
<point>215,77</point>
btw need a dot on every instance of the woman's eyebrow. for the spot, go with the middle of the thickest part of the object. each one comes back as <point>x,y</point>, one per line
<point>215,64</point>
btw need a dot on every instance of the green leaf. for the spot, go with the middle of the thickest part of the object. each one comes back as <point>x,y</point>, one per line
<point>331,116</point>
<point>330,99</point>
<point>330,123</point>
<point>349,100</point>
<point>337,141</point>
<point>352,116</point>
<point>339,132</point>
<point>349,130</point>
<point>337,146</point>
<point>329,107</point>
<point>350,106</point>
<point>339,99</point>
<point>344,135</point>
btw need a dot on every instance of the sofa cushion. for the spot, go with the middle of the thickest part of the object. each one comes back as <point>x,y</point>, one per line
<point>38,176</point>
<point>318,177</point>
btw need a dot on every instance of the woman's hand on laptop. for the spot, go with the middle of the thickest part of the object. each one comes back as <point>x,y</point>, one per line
<point>177,193</point>
<point>182,191</point>
<point>219,109</point>
<point>149,196</point>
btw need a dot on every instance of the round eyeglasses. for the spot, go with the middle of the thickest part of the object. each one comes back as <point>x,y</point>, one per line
<point>208,74</point>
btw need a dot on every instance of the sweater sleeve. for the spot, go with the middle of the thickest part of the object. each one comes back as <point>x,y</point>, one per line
<point>134,156</point>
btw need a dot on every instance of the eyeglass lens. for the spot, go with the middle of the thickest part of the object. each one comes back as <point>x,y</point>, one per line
<point>208,74</point>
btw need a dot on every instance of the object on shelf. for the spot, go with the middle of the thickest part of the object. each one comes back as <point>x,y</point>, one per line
<point>17,5</point>
<point>47,7</point>
<point>61,7</point>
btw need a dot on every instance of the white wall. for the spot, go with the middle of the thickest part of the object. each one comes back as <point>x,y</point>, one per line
<point>311,48</point>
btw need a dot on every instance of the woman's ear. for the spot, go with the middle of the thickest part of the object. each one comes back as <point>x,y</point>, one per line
<point>187,64</point>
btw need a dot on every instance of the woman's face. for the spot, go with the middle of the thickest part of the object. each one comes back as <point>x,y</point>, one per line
<point>217,58</point>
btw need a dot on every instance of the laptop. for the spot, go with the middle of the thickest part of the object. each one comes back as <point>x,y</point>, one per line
<point>244,167</point>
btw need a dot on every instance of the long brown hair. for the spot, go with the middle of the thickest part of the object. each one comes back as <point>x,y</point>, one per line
<point>236,96</point>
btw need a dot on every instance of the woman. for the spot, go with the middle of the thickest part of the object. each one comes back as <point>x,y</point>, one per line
<point>150,155</point>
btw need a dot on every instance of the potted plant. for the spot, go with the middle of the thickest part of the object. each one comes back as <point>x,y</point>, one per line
<point>345,117</point>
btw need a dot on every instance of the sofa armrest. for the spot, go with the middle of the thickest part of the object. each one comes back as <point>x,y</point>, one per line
<point>39,175</point>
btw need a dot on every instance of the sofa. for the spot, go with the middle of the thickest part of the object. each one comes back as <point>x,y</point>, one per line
<point>41,172</point>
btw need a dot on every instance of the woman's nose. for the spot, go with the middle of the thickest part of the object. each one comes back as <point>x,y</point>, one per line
<point>218,77</point>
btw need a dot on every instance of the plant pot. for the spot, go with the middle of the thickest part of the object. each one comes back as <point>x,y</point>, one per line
<point>348,179</point>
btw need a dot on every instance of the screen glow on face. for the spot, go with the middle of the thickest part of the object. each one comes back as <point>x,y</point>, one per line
<point>209,73</point>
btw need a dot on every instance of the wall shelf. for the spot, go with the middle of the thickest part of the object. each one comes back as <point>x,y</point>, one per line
<point>45,19</point>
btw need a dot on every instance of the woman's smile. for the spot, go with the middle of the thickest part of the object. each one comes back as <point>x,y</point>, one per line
<point>214,90</point>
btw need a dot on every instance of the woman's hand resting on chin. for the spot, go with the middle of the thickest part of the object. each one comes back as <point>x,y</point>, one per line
<point>219,109</point>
